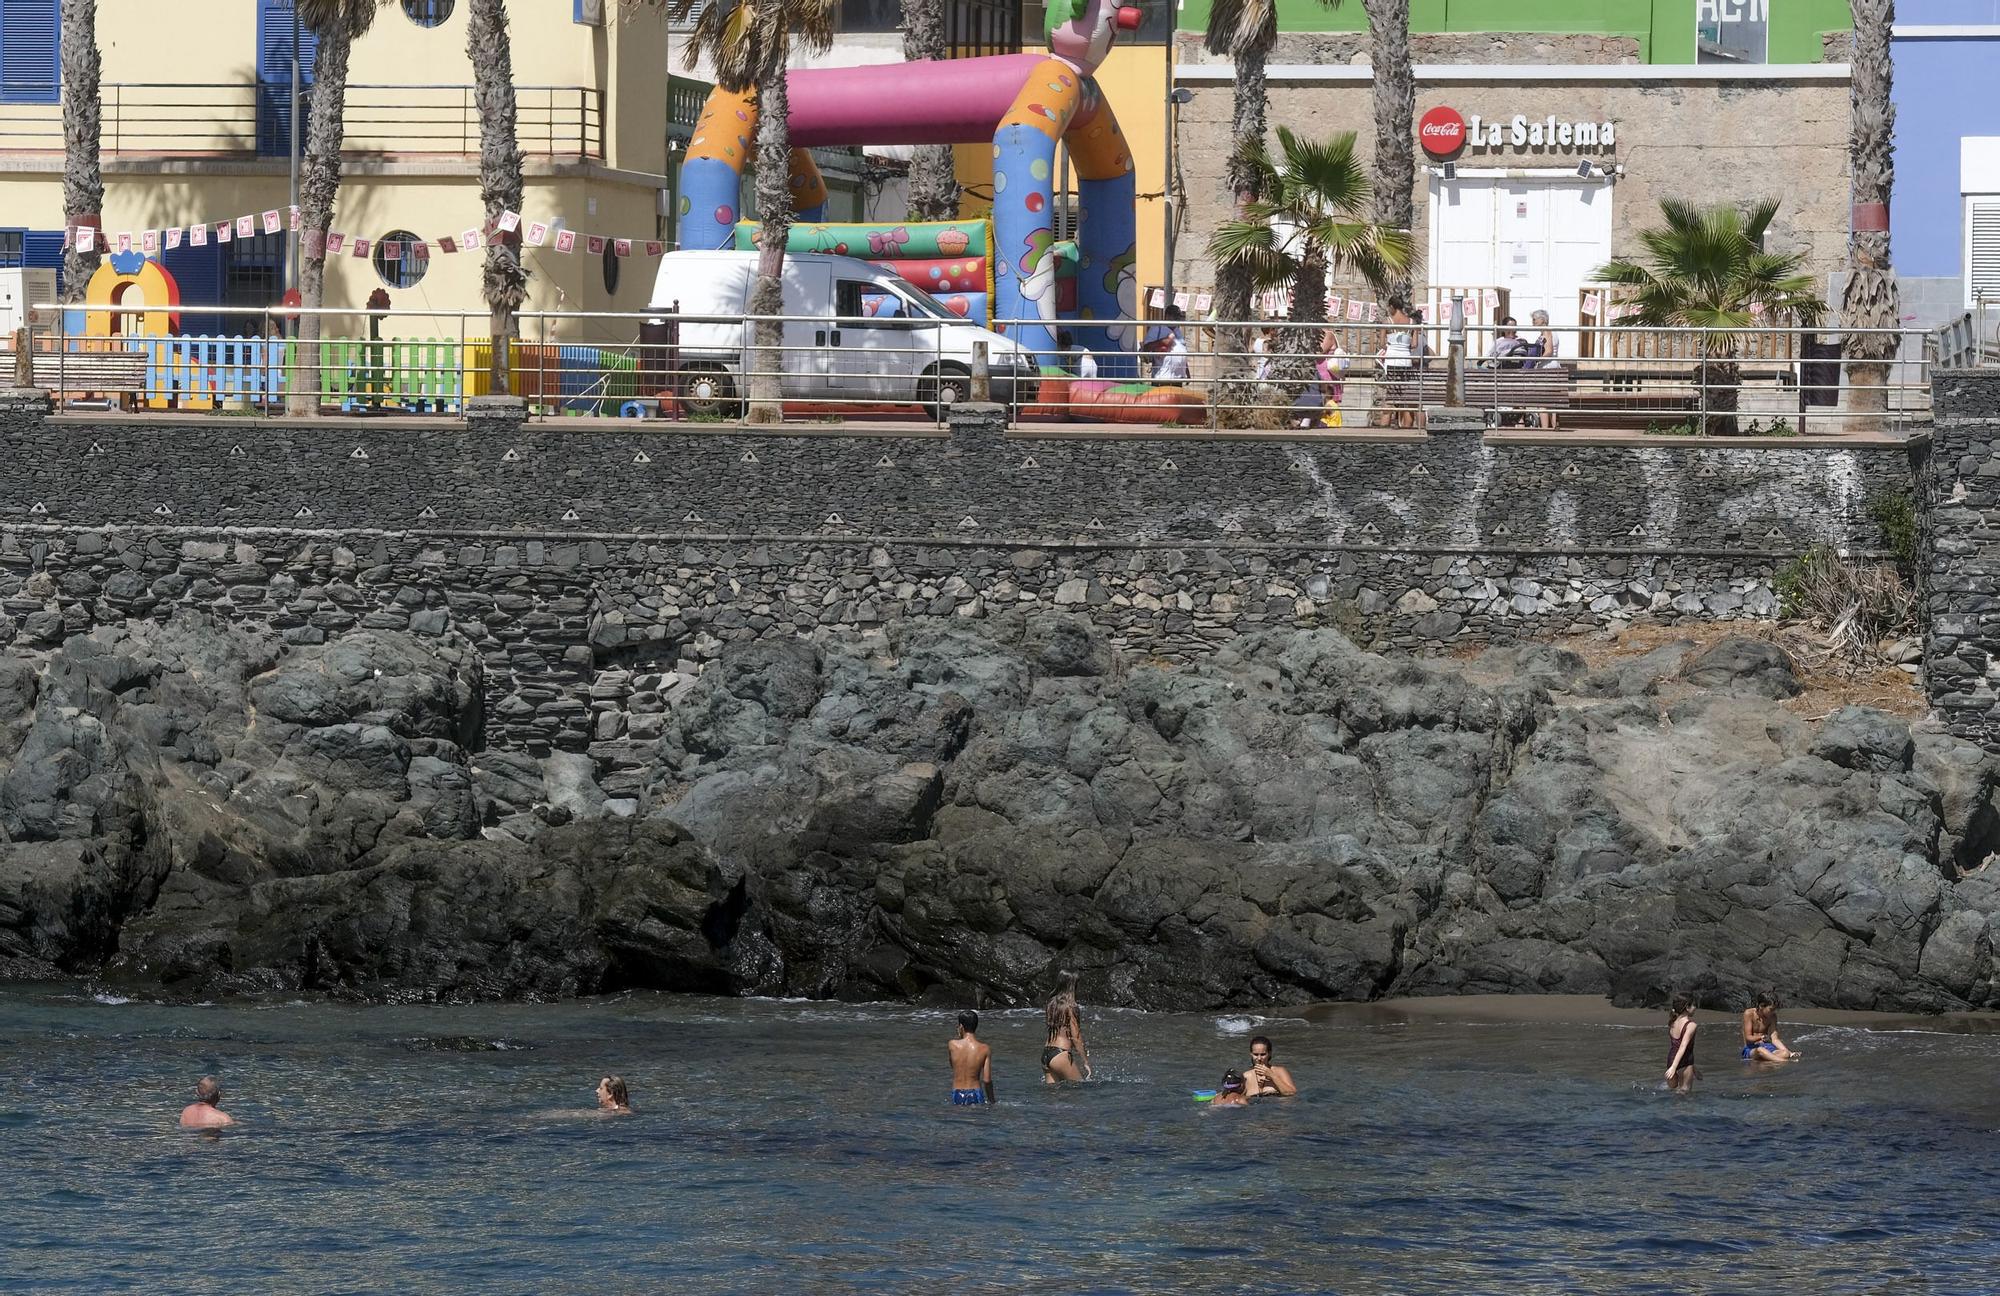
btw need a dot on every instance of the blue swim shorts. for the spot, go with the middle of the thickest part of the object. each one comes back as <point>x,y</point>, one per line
<point>1750,1049</point>
<point>968,1097</point>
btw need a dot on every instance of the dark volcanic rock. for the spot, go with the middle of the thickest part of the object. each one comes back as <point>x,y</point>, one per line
<point>952,814</point>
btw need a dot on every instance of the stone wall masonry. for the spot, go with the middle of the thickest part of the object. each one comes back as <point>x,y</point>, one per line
<point>1959,558</point>
<point>595,567</point>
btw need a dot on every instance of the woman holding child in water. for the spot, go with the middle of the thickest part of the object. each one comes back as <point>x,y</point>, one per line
<point>1064,1056</point>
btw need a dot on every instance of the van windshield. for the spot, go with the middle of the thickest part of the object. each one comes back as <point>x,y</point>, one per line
<point>918,303</point>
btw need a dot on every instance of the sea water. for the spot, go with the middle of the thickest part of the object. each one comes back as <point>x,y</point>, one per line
<point>800,1147</point>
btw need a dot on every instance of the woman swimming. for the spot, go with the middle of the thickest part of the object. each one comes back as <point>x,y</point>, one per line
<point>613,1098</point>
<point>1681,1072</point>
<point>1064,1056</point>
<point>1760,1032</point>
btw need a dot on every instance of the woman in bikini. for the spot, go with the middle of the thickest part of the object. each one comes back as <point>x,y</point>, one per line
<point>1681,1073</point>
<point>1064,1056</point>
<point>1760,1033</point>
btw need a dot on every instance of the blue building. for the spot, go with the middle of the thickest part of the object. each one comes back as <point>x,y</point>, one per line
<point>1946,204</point>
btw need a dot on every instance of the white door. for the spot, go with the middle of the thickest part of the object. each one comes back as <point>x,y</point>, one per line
<point>1538,238</point>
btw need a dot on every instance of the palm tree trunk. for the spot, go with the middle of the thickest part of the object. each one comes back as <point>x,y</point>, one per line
<point>1718,378</point>
<point>1395,97</point>
<point>774,214</point>
<point>319,185</point>
<point>1870,298</point>
<point>933,172</point>
<point>83,127</point>
<point>1296,350</point>
<point>503,282</point>
<point>1234,392</point>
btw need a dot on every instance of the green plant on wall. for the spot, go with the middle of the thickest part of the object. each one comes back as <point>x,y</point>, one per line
<point>1895,515</point>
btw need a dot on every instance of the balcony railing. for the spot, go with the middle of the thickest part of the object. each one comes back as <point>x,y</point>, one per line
<point>685,97</point>
<point>162,119</point>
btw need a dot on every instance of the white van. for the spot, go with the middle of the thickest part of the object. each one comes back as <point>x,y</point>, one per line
<point>911,350</point>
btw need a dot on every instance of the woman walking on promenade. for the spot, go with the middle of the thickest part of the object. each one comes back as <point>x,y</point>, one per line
<point>1681,1073</point>
<point>1064,1056</point>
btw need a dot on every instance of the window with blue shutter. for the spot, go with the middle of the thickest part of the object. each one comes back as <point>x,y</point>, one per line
<point>43,248</point>
<point>274,76</point>
<point>29,72</point>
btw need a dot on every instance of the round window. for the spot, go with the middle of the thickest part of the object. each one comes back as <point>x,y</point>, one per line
<point>396,260</point>
<point>611,260</point>
<point>428,13</point>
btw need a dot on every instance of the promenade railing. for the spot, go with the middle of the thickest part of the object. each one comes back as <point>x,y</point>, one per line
<point>1254,377</point>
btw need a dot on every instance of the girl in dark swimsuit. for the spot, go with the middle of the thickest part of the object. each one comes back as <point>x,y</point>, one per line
<point>1064,1057</point>
<point>1681,1073</point>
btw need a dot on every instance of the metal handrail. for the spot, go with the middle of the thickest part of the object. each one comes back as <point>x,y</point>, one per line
<point>205,118</point>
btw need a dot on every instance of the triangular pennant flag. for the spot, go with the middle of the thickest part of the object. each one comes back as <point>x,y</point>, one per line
<point>538,233</point>
<point>273,222</point>
<point>594,244</point>
<point>565,240</point>
<point>246,227</point>
<point>621,247</point>
<point>509,221</point>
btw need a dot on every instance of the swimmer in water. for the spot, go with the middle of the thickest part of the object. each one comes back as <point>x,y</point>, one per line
<point>1231,1094</point>
<point>205,1112</point>
<point>1063,1055</point>
<point>1760,1032</point>
<point>1267,1079</point>
<point>1681,1073</point>
<point>613,1098</point>
<point>971,1064</point>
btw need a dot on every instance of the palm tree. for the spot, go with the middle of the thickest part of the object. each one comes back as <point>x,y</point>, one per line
<point>338,24</point>
<point>504,282</point>
<point>1707,269</point>
<point>1244,31</point>
<point>933,174</point>
<point>1306,224</point>
<point>1395,96</point>
<point>1870,300</point>
<point>750,45</point>
<point>83,125</point>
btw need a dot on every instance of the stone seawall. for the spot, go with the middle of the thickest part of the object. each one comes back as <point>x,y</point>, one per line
<point>594,567</point>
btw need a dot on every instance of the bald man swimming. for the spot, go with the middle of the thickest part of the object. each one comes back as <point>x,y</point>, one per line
<point>205,1112</point>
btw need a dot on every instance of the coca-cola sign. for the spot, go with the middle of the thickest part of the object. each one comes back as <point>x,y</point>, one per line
<point>1441,132</point>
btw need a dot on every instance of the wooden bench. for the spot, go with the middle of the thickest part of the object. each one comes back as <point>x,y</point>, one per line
<point>1488,389</point>
<point>78,373</point>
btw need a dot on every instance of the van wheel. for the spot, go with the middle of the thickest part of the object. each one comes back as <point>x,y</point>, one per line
<point>944,386</point>
<point>708,390</point>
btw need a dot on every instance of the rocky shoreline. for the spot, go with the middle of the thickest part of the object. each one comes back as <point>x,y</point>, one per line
<point>954,812</point>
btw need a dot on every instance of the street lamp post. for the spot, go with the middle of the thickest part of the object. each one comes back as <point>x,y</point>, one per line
<point>292,238</point>
<point>1175,97</point>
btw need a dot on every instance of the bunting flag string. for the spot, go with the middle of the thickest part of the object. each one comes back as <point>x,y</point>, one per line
<point>532,233</point>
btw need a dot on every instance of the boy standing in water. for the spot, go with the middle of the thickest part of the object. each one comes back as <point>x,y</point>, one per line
<point>971,1064</point>
<point>1760,1032</point>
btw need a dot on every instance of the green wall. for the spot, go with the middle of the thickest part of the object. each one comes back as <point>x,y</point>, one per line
<point>1664,28</point>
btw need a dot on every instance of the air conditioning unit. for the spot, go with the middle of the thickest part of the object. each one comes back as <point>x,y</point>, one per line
<point>21,288</point>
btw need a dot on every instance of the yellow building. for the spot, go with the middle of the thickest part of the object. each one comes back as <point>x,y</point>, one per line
<point>197,117</point>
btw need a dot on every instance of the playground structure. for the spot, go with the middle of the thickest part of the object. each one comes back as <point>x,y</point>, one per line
<point>1023,104</point>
